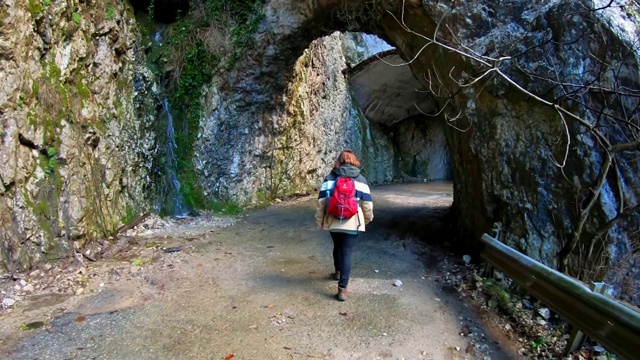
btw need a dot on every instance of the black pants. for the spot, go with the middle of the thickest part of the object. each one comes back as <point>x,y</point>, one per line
<point>342,245</point>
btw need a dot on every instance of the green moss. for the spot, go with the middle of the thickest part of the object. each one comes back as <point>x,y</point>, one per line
<point>51,162</point>
<point>76,18</point>
<point>32,118</point>
<point>53,71</point>
<point>35,7</point>
<point>4,14</point>
<point>82,89</point>
<point>42,208</point>
<point>101,125</point>
<point>130,214</point>
<point>110,12</point>
<point>35,89</point>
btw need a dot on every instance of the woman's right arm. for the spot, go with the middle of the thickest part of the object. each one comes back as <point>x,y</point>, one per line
<point>366,201</point>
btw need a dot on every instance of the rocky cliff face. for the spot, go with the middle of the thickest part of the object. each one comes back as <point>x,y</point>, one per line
<point>80,113</point>
<point>77,145</point>
<point>277,122</point>
<point>539,151</point>
<point>283,136</point>
<point>543,139</point>
<point>537,101</point>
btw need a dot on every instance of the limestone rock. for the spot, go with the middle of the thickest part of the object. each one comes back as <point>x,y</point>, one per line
<point>69,129</point>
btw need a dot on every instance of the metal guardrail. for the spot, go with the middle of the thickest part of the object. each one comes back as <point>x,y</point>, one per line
<point>613,325</point>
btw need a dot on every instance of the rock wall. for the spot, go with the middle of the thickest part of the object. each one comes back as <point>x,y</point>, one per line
<point>264,137</point>
<point>283,141</point>
<point>533,163</point>
<point>539,174</point>
<point>77,108</point>
<point>421,149</point>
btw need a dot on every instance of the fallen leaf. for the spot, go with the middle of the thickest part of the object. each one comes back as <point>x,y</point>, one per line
<point>81,318</point>
<point>230,356</point>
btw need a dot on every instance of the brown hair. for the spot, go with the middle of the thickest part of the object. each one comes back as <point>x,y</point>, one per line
<point>346,157</point>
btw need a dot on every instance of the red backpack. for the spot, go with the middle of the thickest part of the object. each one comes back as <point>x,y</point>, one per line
<point>342,202</point>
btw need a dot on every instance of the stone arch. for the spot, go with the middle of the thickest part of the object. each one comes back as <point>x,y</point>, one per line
<point>503,164</point>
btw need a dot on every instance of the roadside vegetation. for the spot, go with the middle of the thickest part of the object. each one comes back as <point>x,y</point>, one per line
<point>207,40</point>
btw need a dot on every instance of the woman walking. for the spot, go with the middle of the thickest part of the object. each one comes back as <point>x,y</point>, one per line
<point>344,230</point>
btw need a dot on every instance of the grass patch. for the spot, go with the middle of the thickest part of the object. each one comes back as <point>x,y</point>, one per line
<point>76,18</point>
<point>138,262</point>
<point>226,207</point>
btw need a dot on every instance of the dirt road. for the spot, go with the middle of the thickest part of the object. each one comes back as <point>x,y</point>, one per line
<point>259,289</point>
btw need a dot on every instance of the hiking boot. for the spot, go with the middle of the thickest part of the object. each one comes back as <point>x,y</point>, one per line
<point>342,294</point>
<point>335,275</point>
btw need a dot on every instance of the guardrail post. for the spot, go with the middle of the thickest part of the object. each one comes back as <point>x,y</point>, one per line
<point>577,337</point>
<point>487,272</point>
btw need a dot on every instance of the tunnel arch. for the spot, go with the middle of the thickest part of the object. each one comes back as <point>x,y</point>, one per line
<point>290,28</point>
<point>501,142</point>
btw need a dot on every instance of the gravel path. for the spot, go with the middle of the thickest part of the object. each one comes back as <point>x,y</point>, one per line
<point>259,289</point>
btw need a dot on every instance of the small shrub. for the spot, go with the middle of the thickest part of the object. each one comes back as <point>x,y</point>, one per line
<point>537,344</point>
<point>35,7</point>
<point>225,207</point>
<point>110,13</point>
<point>130,214</point>
<point>50,165</point>
<point>77,18</point>
<point>21,99</point>
<point>499,296</point>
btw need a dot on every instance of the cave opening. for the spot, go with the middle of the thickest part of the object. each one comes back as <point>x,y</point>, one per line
<point>413,175</point>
